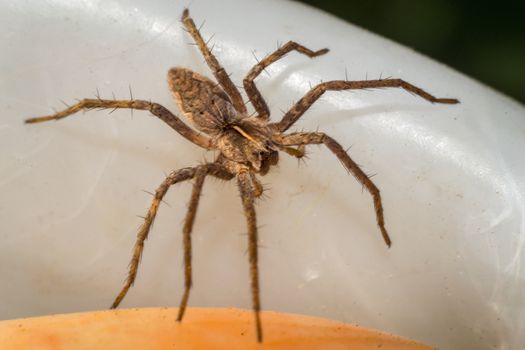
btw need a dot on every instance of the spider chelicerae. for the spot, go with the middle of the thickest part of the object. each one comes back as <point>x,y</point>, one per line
<point>248,145</point>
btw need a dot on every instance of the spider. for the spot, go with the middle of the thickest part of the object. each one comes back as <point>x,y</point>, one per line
<point>248,145</point>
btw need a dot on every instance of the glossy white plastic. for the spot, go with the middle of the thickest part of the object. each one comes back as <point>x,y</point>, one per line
<point>452,177</point>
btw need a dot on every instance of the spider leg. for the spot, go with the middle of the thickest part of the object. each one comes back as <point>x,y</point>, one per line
<point>247,196</point>
<point>175,177</point>
<point>249,86</point>
<point>200,174</point>
<point>338,85</point>
<point>258,188</point>
<point>188,225</point>
<point>306,138</point>
<point>155,108</point>
<point>298,152</point>
<point>218,71</point>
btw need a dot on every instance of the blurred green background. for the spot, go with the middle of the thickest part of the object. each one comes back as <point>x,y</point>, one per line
<point>483,40</point>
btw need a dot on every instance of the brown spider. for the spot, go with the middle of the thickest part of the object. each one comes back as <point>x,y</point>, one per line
<point>248,145</point>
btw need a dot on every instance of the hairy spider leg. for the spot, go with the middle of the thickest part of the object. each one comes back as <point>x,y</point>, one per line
<point>258,188</point>
<point>202,171</point>
<point>308,138</point>
<point>247,196</point>
<point>253,93</point>
<point>184,174</point>
<point>298,152</point>
<point>339,85</point>
<point>155,109</point>
<point>186,234</point>
<point>173,178</point>
<point>218,71</point>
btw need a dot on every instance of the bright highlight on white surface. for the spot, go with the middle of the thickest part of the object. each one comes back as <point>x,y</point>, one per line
<point>452,177</point>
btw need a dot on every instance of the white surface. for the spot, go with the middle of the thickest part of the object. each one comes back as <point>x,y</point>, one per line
<point>452,177</point>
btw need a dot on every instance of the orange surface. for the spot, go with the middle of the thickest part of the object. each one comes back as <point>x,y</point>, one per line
<point>201,329</point>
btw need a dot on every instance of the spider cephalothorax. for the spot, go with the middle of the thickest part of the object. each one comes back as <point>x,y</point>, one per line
<point>248,145</point>
<point>242,140</point>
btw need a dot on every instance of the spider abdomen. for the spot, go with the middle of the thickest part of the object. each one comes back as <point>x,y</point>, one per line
<point>201,100</point>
